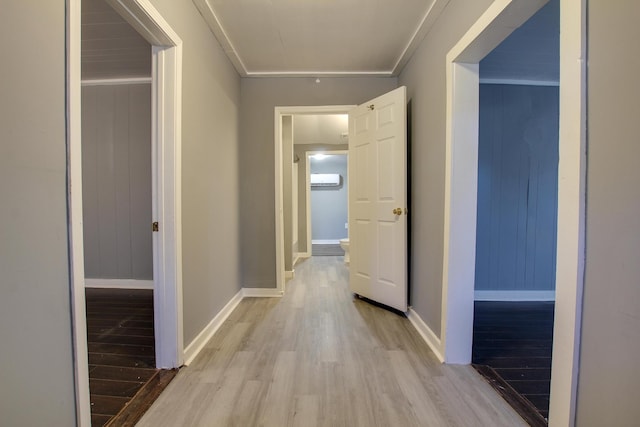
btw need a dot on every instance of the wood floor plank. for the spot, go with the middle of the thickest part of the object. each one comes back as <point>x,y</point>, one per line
<point>121,373</point>
<point>319,357</point>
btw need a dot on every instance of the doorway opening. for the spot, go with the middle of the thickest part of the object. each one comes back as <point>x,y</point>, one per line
<point>166,65</point>
<point>309,138</point>
<point>461,191</point>
<point>327,202</point>
<point>517,214</point>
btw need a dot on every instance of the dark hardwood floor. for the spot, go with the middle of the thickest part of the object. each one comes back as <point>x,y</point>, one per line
<point>122,373</point>
<point>514,340</point>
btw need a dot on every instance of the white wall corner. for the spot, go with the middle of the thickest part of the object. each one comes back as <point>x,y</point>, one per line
<point>426,333</point>
<point>198,343</point>
<point>261,293</point>
<point>118,283</point>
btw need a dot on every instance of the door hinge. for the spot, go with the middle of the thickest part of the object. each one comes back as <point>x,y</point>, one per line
<point>155,226</point>
<point>371,107</point>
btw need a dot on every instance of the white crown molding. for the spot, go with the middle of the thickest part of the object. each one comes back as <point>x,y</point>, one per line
<point>429,18</point>
<point>318,74</point>
<point>214,24</point>
<point>220,34</point>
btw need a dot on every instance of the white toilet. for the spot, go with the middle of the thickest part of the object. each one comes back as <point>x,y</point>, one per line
<point>344,244</point>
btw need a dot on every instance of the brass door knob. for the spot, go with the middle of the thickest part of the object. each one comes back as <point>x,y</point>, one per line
<point>397,211</point>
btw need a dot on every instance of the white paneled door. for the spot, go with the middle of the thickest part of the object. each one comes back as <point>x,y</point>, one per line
<point>378,199</point>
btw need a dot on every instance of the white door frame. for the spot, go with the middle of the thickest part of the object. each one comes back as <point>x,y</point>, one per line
<point>461,190</point>
<point>279,198</point>
<point>166,143</point>
<point>308,187</point>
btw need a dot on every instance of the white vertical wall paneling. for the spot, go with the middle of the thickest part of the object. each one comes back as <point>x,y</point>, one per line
<point>517,188</point>
<point>117,181</point>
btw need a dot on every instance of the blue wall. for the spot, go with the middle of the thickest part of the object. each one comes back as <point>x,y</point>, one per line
<point>517,188</point>
<point>329,205</point>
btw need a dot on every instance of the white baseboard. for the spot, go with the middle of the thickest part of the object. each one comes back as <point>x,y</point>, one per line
<point>198,343</point>
<point>261,292</point>
<point>426,333</point>
<point>289,274</point>
<point>325,242</point>
<point>303,255</point>
<point>118,283</point>
<point>515,295</point>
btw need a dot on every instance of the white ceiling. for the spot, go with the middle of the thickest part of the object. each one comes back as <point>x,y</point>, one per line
<point>111,48</point>
<point>319,37</point>
<point>531,52</point>
<point>320,129</point>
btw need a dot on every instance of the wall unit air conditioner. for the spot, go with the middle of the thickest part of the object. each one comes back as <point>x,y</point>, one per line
<point>325,180</point>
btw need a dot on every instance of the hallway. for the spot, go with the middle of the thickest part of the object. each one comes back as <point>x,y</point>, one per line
<point>317,357</point>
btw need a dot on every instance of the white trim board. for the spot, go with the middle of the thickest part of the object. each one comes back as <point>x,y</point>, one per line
<point>166,89</point>
<point>261,293</point>
<point>115,82</point>
<point>426,333</point>
<point>571,213</point>
<point>198,343</point>
<point>325,242</point>
<point>118,283</point>
<point>74,202</point>
<point>289,274</point>
<point>515,295</point>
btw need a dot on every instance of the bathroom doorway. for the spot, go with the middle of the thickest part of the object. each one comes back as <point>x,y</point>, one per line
<point>327,202</point>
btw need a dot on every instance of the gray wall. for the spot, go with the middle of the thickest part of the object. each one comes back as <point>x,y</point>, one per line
<point>424,77</point>
<point>329,205</point>
<point>116,181</point>
<point>259,97</point>
<point>210,123</point>
<point>517,188</point>
<point>609,376</point>
<point>301,151</point>
<point>36,362</point>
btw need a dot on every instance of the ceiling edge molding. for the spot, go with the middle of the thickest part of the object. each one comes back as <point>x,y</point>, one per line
<point>318,74</point>
<point>429,18</point>
<point>220,34</point>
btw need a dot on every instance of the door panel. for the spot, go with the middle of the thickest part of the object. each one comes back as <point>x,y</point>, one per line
<point>377,201</point>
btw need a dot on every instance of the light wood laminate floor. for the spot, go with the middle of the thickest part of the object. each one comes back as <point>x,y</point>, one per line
<point>319,357</point>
